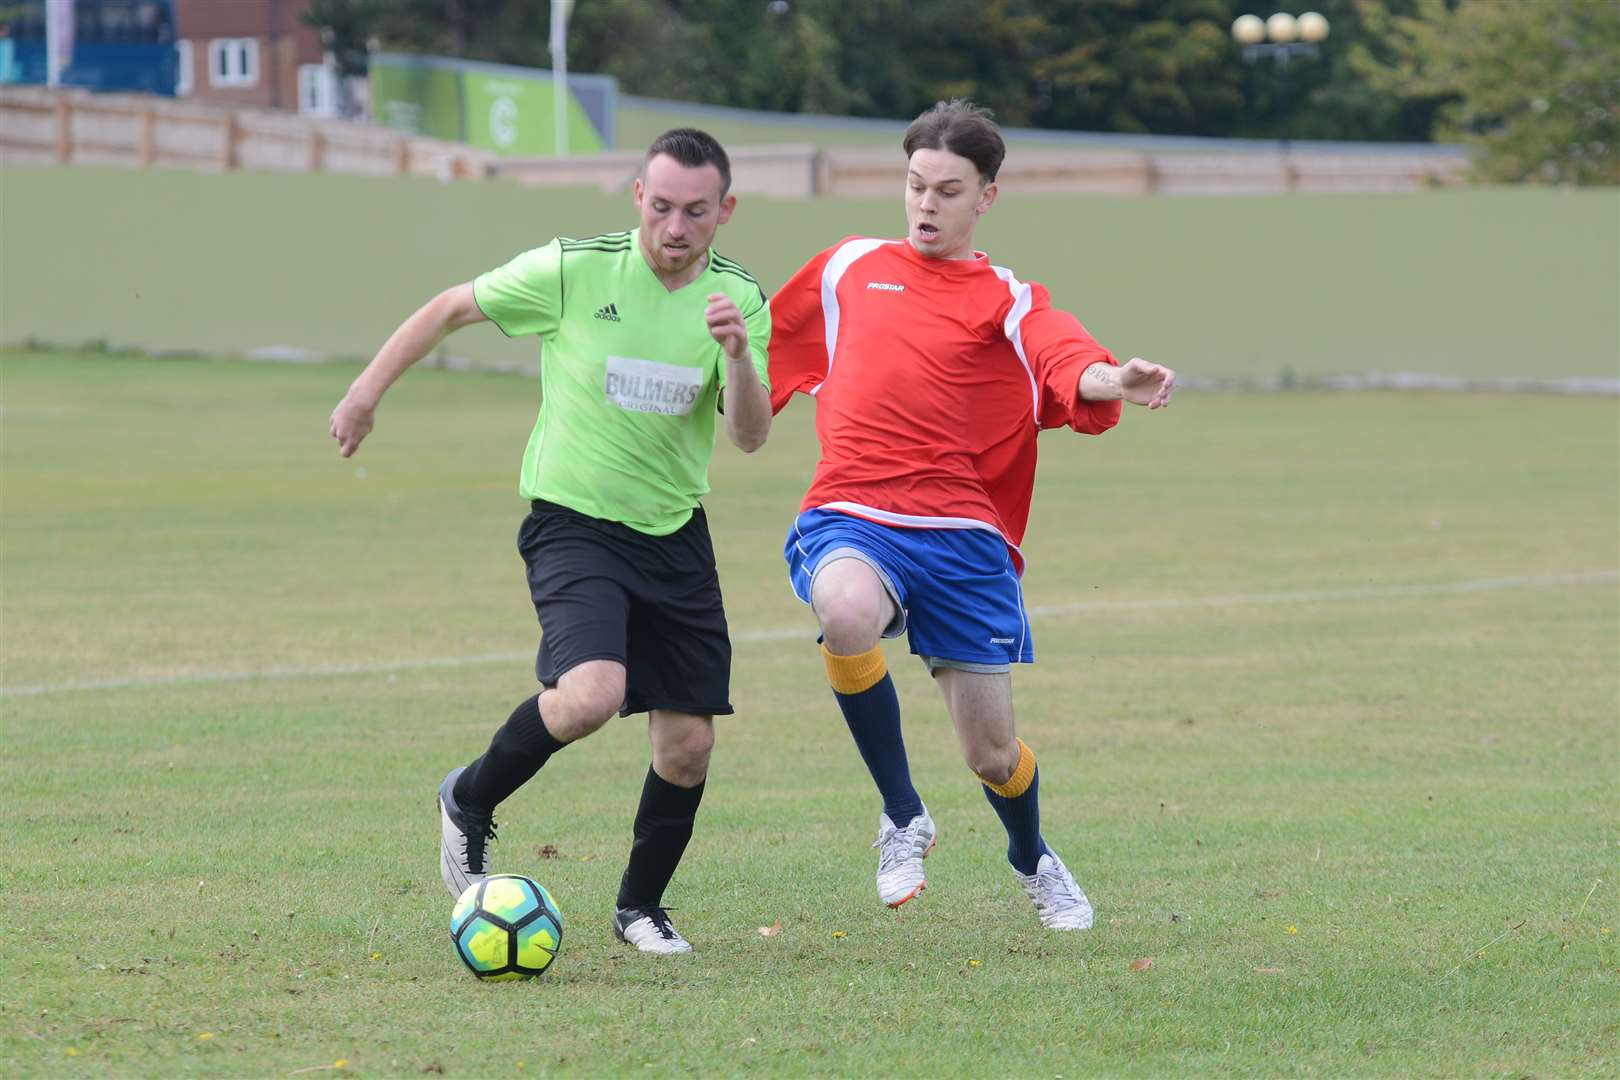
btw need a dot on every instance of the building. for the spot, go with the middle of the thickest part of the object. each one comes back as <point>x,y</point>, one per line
<point>112,45</point>
<point>257,53</point>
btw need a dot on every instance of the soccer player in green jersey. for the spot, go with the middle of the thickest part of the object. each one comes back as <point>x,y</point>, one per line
<point>646,335</point>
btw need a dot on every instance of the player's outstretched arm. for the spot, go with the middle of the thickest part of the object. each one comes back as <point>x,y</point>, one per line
<point>417,336</point>
<point>747,403</point>
<point>1138,382</point>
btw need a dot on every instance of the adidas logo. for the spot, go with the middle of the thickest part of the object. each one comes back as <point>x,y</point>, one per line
<point>610,312</point>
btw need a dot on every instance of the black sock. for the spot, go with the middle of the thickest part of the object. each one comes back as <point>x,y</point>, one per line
<point>515,754</point>
<point>663,826</point>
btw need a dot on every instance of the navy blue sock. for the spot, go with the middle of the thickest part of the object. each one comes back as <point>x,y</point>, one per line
<point>1021,816</point>
<point>871,708</point>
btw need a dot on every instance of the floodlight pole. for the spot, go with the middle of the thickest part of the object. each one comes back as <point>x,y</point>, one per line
<point>1282,54</point>
<point>1290,38</point>
<point>559,72</point>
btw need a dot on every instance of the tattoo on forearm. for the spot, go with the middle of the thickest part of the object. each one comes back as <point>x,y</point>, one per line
<point>1103,373</point>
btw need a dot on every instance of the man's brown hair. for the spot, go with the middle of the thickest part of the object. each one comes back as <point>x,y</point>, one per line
<point>693,149</point>
<point>963,129</point>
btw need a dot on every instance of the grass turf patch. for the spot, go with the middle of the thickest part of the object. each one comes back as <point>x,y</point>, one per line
<point>1521,283</point>
<point>1324,710</point>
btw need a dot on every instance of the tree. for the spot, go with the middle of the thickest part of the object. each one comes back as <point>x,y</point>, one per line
<point>1160,66</point>
<point>1329,96</point>
<point>1535,86</point>
<point>1530,81</point>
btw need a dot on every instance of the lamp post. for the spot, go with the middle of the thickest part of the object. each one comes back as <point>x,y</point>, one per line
<point>1289,37</point>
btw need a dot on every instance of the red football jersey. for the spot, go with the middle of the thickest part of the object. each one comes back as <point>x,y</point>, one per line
<point>932,378</point>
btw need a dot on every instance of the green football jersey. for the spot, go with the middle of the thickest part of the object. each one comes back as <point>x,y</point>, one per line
<point>630,377</point>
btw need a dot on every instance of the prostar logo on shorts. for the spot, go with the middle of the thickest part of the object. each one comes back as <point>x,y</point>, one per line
<point>647,386</point>
<point>885,286</point>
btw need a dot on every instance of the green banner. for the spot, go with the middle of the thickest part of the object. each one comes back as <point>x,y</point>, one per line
<point>516,116</point>
<point>419,99</point>
<point>505,109</point>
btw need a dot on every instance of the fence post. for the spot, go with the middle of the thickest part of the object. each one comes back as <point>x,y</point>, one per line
<point>64,130</point>
<point>402,157</point>
<point>148,149</point>
<point>227,154</point>
<point>315,145</point>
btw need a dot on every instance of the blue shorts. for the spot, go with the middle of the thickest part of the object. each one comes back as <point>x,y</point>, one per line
<point>956,590</point>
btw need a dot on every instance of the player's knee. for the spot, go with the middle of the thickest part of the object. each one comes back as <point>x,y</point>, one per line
<point>597,708</point>
<point>992,763</point>
<point>851,619</point>
<point>992,768</point>
<point>592,701</point>
<point>694,746</point>
<point>682,756</point>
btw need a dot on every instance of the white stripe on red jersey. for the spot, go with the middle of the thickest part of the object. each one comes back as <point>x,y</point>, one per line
<point>932,379</point>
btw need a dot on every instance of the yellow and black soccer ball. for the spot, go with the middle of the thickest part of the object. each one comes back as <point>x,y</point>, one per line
<point>506,927</point>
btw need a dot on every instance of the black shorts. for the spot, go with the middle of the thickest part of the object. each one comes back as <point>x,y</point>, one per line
<point>604,591</point>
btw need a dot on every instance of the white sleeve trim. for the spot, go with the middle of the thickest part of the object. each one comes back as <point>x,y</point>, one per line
<point>841,260</point>
<point>1023,299</point>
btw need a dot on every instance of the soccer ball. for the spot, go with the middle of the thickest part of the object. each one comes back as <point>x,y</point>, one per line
<point>506,927</point>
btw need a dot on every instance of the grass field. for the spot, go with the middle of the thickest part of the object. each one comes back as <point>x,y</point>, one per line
<point>1489,284</point>
<point>1325,708</point>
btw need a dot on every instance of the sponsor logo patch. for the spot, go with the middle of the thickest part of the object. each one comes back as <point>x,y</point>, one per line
<point>647,386</point>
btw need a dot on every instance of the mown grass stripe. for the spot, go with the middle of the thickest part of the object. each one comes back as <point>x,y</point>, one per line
<point>784,633</point>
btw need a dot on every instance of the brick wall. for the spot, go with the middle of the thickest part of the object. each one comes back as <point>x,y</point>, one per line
<point>282,42</point>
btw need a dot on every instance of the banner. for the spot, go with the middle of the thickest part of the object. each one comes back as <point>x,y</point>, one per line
<point>59,20</point>
<point>510,110</point>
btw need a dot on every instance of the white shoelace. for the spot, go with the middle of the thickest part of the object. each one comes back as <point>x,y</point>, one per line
<point>897,845</point>
<point>661,927</point>
<point>1055,892</point>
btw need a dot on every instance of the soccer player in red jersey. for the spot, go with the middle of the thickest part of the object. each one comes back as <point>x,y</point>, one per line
<point>933,371</point>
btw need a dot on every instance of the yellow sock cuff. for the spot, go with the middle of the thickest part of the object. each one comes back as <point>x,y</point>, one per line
<point>852,674</point>
<point>1023,775</point>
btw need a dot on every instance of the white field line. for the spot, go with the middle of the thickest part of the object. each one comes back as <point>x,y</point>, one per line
<point>807,631</point>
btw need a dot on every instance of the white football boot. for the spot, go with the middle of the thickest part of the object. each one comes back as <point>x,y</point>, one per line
<point>900,857</point>
<point>648,929</point>
<point>1058,899</point>
<point>463,838</point>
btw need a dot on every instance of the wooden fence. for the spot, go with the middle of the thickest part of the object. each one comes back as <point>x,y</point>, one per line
<point>39,126</point>
<point>75,127</point>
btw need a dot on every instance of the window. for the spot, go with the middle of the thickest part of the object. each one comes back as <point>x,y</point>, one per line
<point>182,69</point>
<point>317,90</point>
<point>233,62</point>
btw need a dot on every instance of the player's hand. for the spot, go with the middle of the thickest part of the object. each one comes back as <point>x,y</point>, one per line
<point>1143,383</point>
<point>351,422</point>
<point>726,325</point>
